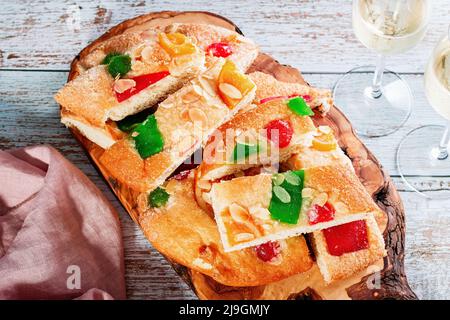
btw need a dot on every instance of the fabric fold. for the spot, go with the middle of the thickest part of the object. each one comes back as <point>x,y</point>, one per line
<point>59,236</point>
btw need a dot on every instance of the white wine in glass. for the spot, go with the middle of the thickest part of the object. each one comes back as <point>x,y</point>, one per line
<point>424,152</point>
<point>377,101</point>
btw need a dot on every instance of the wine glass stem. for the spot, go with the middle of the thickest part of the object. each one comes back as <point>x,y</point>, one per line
<point>443,151</point>
<point>378,77</point>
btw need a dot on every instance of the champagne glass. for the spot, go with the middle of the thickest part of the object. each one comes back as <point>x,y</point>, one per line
<point>378,101</point>
<point>425,150</point>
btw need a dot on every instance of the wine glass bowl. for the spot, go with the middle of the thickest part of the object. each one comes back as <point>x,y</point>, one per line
<point>424,152</point>
<point>378,101</point>
<point>390,27</point>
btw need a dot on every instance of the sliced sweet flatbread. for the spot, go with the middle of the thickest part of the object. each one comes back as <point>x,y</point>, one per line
<point>272,131</point>
<point>252,210</point>
<point>151,65</point>
<point>178,228</point>
<point>343,250</point>
<point>269,89</point>
<point>182,123</point>
<point>324,151</point>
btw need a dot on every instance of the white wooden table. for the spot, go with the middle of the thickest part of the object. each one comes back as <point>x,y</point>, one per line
<point>38,39</point>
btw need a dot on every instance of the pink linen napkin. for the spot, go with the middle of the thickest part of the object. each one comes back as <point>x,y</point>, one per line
<point>59,236</point>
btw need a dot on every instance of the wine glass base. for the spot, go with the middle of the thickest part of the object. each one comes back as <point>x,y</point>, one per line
<point>373,116</point>
<point>418,163</point>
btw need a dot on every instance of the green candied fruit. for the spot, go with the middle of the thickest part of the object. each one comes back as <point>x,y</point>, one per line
<point>158,198</point>
<point>286,200</point>
<point>109,56</point>
<point>300,107</point>
<point>243,151</point>
<point>118,64</point>
<point>147,138</point>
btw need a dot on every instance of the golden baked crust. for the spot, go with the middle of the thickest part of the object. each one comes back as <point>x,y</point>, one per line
<point>340,267</point>
<point>185,119</point>
<point>216,154</point>
<point>244,50</point>
<point>91,97</point>
<point>318,99</point>
<point>188,235</point>
<point>241,205</point>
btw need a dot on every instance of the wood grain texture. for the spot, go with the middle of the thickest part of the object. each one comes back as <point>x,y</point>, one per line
<point>28,114</point>
<point>314,36</point>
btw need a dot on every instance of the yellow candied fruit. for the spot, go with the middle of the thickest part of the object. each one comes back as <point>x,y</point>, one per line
<point>230,79</point>
<point>324,142</point>
<point>176,44</point>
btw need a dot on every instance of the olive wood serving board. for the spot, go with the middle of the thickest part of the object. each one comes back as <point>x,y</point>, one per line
<point>389,283</point>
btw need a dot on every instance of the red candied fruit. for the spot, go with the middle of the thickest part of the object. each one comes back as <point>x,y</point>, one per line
<point>285,132</point>
<point>319,214</point>
<point>142,82</point>
<point>345,238</point>
<point>268,251</point>
<point>219,49</point>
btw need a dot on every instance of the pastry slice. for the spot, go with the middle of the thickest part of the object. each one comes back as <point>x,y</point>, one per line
<point>277,127</point>
<point>348,248</point>
<point>264,135</point>
<point>323,151</point>
<point>269,89</point>
<point>252,210</point>
<point>131,72</point>
<point>179,229</point>
<point>182,123</point>
<point>219,42</point>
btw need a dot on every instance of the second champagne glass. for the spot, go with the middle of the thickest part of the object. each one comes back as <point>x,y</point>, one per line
<point>377,101</point>
<point>424,152</point>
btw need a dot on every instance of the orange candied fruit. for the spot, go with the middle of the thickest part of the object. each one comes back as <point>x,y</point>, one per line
<point>231,77</point>
<point>324,142</point>
<point>176,44</point>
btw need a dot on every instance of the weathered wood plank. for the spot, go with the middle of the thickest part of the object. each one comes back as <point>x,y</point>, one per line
<point>314,36</point>
<point>28,115</point>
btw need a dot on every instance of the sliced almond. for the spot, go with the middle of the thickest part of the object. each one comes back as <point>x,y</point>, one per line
<point>207,86</point>
<point>166,105</point>
<point>197,89</point>
<point>281,194</point>
<point>278,179</point>
<point>325,129</point>
<point>259,212</point>
<point>230,91</point>
<point>147,54</point>
<point>204,184</point>
<point>292,178</point>
<point>238,213</point>
<point>307,193</point>
<point>197,115</point>
<point>190,97</point>
<point>122,85</point>
<point>320,199</point>
<point>244,236</point>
